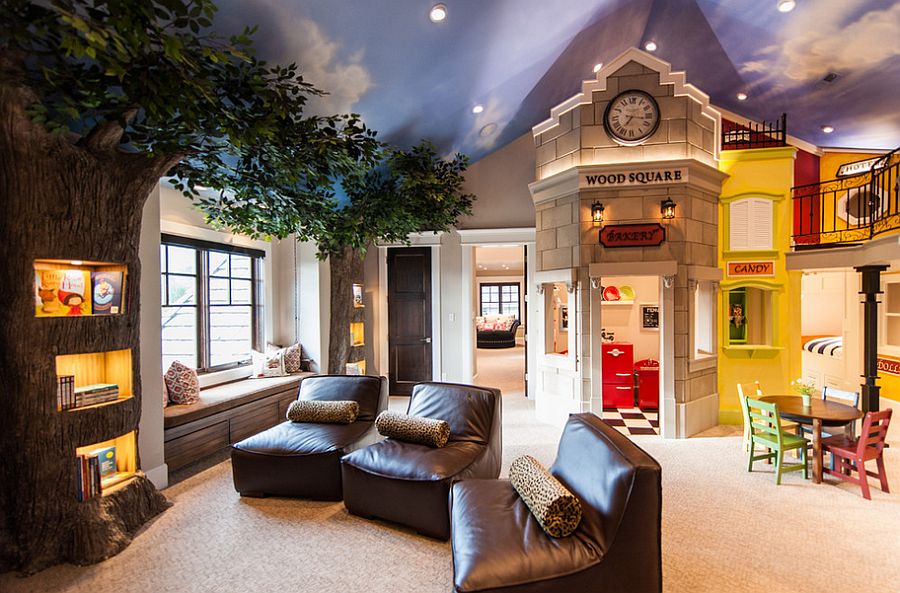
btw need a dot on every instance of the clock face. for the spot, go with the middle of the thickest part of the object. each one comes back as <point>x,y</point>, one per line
<point>631,117</point>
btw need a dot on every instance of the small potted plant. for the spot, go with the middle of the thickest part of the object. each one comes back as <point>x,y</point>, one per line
<point>805,389</point>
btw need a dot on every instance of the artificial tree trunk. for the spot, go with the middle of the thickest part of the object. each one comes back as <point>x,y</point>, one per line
<point>68,201</point>
<point>346,267</point>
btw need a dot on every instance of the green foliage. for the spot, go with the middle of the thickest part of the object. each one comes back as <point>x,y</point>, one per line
<point>154,66</point>
<point>231,122</point>
<point>407,191</point>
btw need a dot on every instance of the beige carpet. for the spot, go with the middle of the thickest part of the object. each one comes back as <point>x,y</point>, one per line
<point>724,530</point>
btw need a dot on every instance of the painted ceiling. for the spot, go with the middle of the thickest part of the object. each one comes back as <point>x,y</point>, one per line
<point>410,78</point>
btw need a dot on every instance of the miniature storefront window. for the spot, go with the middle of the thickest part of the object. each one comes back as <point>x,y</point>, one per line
<point>557,325</point>
<point>749,317</point>
<point>704,338</point>
<point>891,330</point>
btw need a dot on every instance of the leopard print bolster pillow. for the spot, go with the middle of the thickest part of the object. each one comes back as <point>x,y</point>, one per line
<point>557,510</point>
<point>413,429</point>
<point>328,412</point>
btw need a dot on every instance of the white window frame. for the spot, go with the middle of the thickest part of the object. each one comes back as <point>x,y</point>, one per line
<point>885,313</point>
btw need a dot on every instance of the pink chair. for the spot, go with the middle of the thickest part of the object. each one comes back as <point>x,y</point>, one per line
<point>852,454</point>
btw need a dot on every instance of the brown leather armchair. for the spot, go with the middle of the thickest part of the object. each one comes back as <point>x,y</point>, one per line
<point>409,483</point>
<point>498,545</point>
<point>303,459</point>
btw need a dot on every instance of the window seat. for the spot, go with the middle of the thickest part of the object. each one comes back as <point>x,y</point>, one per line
<point>224,415</point>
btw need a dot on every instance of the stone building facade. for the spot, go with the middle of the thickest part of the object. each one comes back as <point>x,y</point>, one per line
<point>578,164</point>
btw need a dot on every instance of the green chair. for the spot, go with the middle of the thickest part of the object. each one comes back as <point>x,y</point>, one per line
<point>765,431</point>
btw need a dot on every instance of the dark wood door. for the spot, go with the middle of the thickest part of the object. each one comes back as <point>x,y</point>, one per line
<point>409,317</point>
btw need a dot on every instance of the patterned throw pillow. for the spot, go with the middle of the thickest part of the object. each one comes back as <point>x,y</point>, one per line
<point>328,412</point>
<point>507,323</point>
<point>557,510</point>
<point>293,358</point>
<point>274,366</point>
<point>165,393</point>
<point>182,384</point>
<point>413,429</point>
<point>479,323</point>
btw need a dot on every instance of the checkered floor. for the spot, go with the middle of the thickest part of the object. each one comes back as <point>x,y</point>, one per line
<point>632,421</point>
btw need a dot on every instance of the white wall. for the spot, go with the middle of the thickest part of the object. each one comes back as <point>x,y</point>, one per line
<point>150,435</point>
<point>625,320</point>
<point>500,183</point>
<point>822,303</point>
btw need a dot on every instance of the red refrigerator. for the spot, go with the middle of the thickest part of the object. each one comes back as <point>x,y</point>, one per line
<point>618,375</point>
<point>648,383</point>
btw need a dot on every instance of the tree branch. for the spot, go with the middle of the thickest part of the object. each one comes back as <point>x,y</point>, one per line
<point>107,135</point>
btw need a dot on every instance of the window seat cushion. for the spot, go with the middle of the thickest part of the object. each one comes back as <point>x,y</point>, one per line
<point>214,400</point>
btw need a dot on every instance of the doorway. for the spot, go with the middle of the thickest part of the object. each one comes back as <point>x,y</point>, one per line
<point>409,318</point>
<point>501,317</point>
<point>630,353</point>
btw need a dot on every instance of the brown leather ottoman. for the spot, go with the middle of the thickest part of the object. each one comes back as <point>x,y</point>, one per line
<point>303,459</point>
<point>409,483</point>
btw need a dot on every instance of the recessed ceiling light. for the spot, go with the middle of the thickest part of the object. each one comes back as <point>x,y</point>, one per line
<point>827,129</point>
<point>488,130</point>
<point>742,96</point>
<point>478,109</point>
<point>76,262</point>
<point>438,13</point>
<point>786,5</point>
<point>650,46</point>
<point>598,66</point>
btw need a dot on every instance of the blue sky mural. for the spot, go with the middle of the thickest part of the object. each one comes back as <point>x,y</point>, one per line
<point>411,78</point>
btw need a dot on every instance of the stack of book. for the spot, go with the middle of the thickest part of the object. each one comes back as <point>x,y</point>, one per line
<point>65,392</point>
<point>87,477</point>
<point>90,395</point>
<point>96,470</point>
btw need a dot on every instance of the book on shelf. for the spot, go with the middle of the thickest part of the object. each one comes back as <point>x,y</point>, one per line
<point>107,459</point>
<point>87,473</point>
<point>99,393</point>
<point>65,392</point>
<point>106,292</point>
<point>60,293</point>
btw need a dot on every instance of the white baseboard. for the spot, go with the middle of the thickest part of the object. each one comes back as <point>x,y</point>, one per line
<point>697,416</point>
<point>159,476</point>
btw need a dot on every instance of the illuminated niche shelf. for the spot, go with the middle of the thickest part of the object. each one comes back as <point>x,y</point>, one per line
<point>74,288</point>
<point>357,334</point>
<point>125,453</point>
<point>95,368</point>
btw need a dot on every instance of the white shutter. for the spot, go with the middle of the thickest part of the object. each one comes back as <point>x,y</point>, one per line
<point>750,224</point>
<point>739,226</point>
<point>761,224</point>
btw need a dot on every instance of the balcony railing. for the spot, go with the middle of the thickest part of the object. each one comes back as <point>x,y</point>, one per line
<point>754,135</point>
<point>851,209</point>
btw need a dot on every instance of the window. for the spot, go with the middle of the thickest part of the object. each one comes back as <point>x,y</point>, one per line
<point>891,331</point>
<point>500,298</point>
<point>704,319</point>
<point>211,303</point>
<point>750,224</point>
<point>749,317</point>
<point>556,319</point>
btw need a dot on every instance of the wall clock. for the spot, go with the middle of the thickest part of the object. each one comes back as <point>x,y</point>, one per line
<point>631,117</point>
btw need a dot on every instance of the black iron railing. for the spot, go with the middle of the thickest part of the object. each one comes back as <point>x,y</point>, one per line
<point>850,209</point>
<point>737,136</point>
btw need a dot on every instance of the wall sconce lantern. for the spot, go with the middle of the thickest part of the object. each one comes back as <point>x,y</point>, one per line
<point>597,212</point>
<point>667,209</point>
